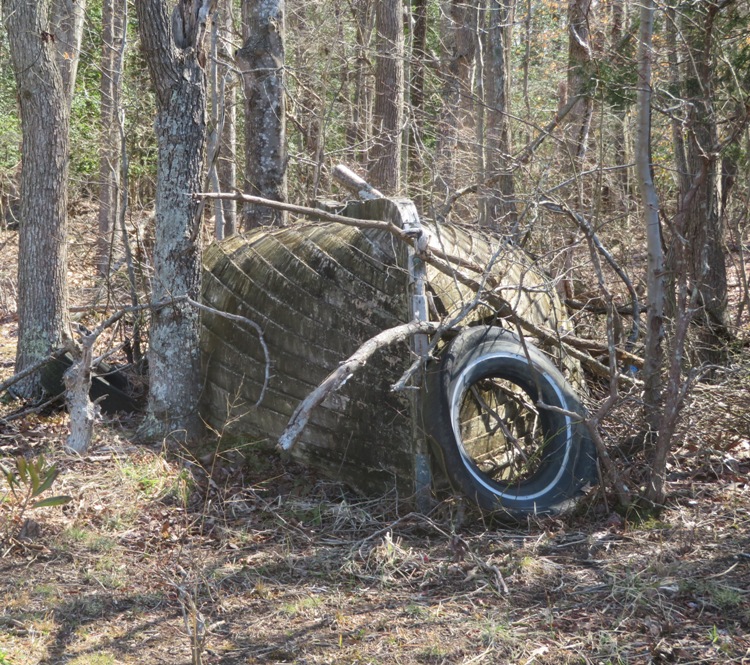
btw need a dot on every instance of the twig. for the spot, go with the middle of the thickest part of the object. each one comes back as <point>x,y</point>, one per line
<point>583,224</point>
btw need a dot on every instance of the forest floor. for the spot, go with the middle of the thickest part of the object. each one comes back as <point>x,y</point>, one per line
<point>261,562</point>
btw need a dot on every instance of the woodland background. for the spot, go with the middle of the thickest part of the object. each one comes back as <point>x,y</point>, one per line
<point>546,121</point>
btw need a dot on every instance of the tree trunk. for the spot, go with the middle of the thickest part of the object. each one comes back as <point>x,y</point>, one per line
<point>459,38</point>
<point>385,151</point>
<point>499,209</point>
<point>42,266</point>
<point>113,20</point>
<point>655,276</point>
<point>227,165</point>
<point>358,127</point>
<point>704,226</point>
<point>67,20</point>
<point>419,54</point>
<point>176,57</point>
<point>223,136</point>
<point>578,121</point>
<point>620,136</point>
<point>262,61</point>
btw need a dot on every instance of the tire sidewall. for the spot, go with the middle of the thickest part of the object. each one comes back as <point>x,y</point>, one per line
<point>491,351</point>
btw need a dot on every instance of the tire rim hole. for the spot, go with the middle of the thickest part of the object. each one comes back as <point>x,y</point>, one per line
<point>501,430</point>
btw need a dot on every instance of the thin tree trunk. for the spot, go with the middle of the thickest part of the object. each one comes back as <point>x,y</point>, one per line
<point>704,226</point>
<point>385,151</point>
<point>460,39</point>
<point>419,54</point>
<point>216,124</point>
<point>579,79</point>
<point>176,57</point>
<point>499,209</point>
<point>653,351</point>
<point>67,18</point>
<point>43,321</point>
<point>620,135</point>
<point>262,61</point>
<point>113,15</point>
<point>227,164</point>
<point>358,129</point>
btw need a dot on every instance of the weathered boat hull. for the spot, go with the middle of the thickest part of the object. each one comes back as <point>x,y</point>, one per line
<point>319,291</point>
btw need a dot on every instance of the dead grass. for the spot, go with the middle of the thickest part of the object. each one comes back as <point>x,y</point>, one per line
<point>284,569</point>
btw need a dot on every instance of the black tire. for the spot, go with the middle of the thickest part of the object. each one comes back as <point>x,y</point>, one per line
<point>512,458</point>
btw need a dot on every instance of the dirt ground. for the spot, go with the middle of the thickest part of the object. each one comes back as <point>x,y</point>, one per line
<point>241,557</point>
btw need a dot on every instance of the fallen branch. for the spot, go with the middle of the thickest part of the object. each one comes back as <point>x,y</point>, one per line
<point>344,372</point>
<point>34,368</point>
<point>323,215</point>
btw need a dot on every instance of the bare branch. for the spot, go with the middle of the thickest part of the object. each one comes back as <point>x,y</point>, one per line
<point>344,372</point>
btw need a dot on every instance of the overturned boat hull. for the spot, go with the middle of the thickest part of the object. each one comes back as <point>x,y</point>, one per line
<point>318,291</point>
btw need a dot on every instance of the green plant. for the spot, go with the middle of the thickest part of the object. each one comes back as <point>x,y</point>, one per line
<point>28,481</point>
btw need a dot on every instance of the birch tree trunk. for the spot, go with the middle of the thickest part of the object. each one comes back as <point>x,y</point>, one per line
<point>42,266</point>
<point>387,118</point>
<point>262,61</point>
<point>176,55</point>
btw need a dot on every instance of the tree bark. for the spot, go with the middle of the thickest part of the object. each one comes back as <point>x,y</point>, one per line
<point>385,151</point>
<point>262,60</point>
<point>43,321</point>
<point>358,127</point>
<point>579,79</point>
<point>499,209</point>
<point>419,54</point>
<point>227,165</point>
<point>460,46</point>
<point>113,34</point>
<point>655,275</point>
<point>176,55</point>
<point>67,20</point>
<point>703,225</point>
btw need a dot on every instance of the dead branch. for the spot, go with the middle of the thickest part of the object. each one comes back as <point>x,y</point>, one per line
<point>363,189</point>
<point>344,372</point>
<point>596,306</point>
<point>583,224</point>
<point>316,213</point>
<point>35,367</point>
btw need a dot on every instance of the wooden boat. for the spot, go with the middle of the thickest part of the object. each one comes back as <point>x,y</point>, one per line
<point>318,291</point>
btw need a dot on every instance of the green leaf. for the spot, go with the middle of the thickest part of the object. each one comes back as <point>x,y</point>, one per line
<point>52,501</point>
<point>10,476</point>
<point>34,467</point>
<point>50,477</point>
<point>21,466</point>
